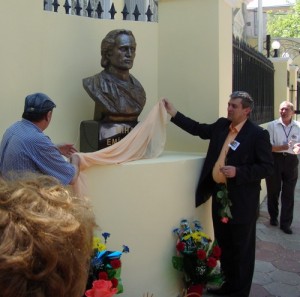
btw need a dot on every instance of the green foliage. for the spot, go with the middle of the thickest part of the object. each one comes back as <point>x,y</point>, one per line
<point>222,196</point>
<point>177,263</point>
<point>282,24</point>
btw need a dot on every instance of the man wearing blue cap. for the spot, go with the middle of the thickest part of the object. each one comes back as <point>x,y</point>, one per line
<point>25,148</point>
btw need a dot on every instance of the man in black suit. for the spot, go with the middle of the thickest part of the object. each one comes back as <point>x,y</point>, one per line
<point>239,156</point>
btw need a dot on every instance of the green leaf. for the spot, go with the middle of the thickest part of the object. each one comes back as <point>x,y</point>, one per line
<point>111,273</point>
<point>177,263</point>
<point>220,194</point>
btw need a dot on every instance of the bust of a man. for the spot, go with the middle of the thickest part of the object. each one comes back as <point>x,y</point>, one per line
<point>118,95</point>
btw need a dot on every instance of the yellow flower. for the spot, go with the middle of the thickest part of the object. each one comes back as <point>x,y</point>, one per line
<point>97,244</point>
<point>197,236</point>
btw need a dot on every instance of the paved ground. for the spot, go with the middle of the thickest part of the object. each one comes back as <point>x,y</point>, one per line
<point>277,265</point>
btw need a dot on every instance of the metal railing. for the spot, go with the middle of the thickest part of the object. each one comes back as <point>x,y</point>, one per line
<point>136,10</point>
<point>254,73</point>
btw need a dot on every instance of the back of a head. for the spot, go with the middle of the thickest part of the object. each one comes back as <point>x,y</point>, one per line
<point>45,239</point>
<point>36,106</point>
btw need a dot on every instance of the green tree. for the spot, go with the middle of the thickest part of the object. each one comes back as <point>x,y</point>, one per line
<point>285,24</point>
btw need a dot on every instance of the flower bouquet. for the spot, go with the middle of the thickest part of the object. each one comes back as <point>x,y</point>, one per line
<point>105,270</point>
<point>197,258</point>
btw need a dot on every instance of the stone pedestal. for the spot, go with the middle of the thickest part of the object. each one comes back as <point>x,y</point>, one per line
<point>96,135</point>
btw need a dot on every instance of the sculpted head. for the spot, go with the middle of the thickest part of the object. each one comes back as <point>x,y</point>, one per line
<point>118,49</point>
<point>118,95</point>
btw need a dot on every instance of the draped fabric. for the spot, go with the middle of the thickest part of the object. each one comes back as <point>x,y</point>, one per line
<point>145,141</point>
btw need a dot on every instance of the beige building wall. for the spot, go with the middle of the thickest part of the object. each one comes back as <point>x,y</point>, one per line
<point>281,85</point>
<point>195,65</point>
<point>294,69</point>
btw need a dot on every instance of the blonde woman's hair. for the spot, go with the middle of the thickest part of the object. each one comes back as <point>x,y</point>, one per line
<point>45,239</point>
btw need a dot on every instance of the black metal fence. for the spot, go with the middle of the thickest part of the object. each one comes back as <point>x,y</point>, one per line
<point>254,73</point>
<point>135,10</point>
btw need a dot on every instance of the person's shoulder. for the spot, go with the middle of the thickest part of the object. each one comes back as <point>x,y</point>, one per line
<point>32,134</point>
<point>25,134</point>
<point>22,127</point>
<point>223,121</point>
<point>12,126</point>
<point>297,123</point>
<point>220,124</point>
<point>17,124</point>
<point>249,124</point>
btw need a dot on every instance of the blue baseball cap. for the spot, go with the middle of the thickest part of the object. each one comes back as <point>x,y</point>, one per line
<point>38,103</point>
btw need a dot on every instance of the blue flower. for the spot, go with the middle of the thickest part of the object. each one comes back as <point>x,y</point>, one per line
<point>105,235</point>
<point>176,231</point>
<point>197,225</point>
<point>125,249</point>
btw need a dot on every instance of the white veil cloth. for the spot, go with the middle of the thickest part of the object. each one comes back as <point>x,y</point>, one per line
<point>145,141</point>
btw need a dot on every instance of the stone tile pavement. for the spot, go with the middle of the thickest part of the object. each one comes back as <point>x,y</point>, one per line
<point>277,264</point>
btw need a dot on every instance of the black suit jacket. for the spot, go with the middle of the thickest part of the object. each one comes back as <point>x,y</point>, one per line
<point>252,158</point>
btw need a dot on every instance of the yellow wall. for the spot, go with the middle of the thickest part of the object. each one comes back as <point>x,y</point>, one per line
<point>293,83</point>
<point>195,65</point>
<point>281,89</point>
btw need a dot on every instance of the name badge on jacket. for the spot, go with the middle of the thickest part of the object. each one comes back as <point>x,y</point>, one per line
<point>234,145</point>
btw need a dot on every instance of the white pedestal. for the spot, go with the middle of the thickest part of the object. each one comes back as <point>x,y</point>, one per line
<point>140,203</point>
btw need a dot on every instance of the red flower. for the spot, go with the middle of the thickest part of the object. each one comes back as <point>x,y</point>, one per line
<point>201,254</point>
<point>224,220</point>
<point>180,246</point>
<point>114,282</point>
<point>216,252</point>
<point>115,263</point>
<point>103,275</point>
<point>211,262</point>
<point>101,288</point>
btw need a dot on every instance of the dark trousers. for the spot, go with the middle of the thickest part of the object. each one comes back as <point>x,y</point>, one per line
<point>283,182</point>
<point>237,242</point>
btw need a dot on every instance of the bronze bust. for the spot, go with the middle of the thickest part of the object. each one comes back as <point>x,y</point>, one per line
<point>118,95</point>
